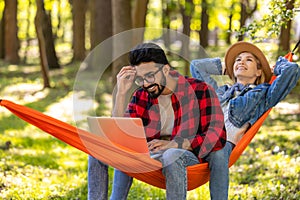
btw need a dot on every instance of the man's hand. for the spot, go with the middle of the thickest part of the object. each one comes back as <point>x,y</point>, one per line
<point>125,79</point>
<point>158,145</point>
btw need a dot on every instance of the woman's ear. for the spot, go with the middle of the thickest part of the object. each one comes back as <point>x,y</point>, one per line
<point>258,72</point>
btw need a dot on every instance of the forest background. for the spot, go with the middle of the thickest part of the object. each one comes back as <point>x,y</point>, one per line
<point>43,44</point>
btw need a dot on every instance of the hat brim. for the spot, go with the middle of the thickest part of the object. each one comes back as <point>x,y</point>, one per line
<point>241,47</point>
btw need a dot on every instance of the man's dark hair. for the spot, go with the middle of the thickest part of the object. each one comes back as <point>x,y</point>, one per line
<point>147,52</point>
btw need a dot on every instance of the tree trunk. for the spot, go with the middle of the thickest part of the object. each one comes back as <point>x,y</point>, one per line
<point>228,34</point>
<point>246,12</point>
<point>285,32</point>
<point>186,13</point>
<point>101,21</point>
<point>121,15</point>
<point>78,15</point>
<point>2,50</point>
<point>11,41</point>
<point>27,32</point>
<point>40,21</point>
<point>44,22</point>
<point>204,25</point>
<point>101,30</point>
<point>139,20</point>
<point>166,20</point>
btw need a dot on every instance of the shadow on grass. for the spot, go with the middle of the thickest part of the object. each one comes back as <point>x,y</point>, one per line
<point>35,152</point>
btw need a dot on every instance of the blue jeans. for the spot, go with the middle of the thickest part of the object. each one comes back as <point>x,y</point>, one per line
<point>98,182</point>
<point>97,179</point>
<point>219,172</point>
<point>174,163</point>
<point>121,185</point>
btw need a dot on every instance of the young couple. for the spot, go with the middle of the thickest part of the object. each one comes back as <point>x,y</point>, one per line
<point>183,117</point>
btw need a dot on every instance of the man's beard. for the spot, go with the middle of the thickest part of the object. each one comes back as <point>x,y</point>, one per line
<point>160,89</point>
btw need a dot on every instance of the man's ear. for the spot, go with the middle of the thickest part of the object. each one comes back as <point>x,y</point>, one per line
<point>166,69</point>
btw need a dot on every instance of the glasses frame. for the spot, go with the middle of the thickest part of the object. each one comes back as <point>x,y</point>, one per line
<point>139,81</point>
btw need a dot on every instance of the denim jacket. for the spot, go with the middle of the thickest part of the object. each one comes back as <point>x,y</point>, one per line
<point>252,101</point>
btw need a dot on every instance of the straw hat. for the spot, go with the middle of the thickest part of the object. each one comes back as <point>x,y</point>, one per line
<point>241,47</point>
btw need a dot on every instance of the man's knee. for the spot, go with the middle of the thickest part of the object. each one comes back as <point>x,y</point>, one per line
<point>170,156</point>
<point>219,158</point>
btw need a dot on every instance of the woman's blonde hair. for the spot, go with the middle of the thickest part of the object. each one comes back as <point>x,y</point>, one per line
<point>262,77</point>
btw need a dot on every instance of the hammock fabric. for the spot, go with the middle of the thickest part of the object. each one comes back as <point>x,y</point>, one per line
<point>139,166</point>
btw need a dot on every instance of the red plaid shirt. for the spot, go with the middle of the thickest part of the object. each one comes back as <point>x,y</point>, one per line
<point>197,111</point>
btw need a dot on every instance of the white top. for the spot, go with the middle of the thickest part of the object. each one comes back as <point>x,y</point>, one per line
<point>166,114</point>
<point>234,134</point>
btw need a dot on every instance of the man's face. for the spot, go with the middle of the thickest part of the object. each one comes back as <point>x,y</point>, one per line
<point>150,76</point>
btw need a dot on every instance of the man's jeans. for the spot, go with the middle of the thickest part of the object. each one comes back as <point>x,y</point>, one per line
<point>219,172</point>
<point>97,179</point>
<point>98,182</point>
<point>174,163</point>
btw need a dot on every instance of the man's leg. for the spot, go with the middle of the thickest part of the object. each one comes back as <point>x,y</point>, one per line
<point>174,163</point>
<point>219,172</point>
<point>121,185</point>
<point>97,179</point>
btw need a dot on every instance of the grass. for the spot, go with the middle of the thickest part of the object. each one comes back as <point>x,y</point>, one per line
<point>38,166</point>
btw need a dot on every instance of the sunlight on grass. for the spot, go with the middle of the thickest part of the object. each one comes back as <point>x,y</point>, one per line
<point>24,92</point>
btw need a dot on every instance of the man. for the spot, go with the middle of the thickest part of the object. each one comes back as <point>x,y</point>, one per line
<point>183,122</point>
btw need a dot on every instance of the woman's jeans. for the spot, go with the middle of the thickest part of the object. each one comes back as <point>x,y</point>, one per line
<point>174,163</point>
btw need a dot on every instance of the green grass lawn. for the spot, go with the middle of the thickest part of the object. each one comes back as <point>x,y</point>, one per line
<point>38,166</point>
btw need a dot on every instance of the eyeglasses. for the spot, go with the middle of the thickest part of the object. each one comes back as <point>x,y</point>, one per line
<point>149,77</point>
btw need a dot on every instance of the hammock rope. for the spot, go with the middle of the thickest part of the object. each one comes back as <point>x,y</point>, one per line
<point>137,165</point>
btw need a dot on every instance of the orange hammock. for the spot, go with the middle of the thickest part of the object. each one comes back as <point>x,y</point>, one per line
<point>145,168</point>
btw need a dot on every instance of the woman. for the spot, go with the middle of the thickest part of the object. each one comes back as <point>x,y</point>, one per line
<point>250,95</point>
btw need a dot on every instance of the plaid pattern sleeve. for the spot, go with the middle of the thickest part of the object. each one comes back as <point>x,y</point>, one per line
<point>211,134</point>
<point>199,116</point>
<point>146,108</point>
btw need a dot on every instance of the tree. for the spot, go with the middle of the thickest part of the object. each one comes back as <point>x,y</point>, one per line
<point>45,36</point>
<point>203,33</point>
<point>186,11</point>
<point>285,32</point>
<point>40,22</point>
<point>274,23</point>
<point>28,25</point>
<point>100,30</point>
<point>228,33</point>
<point>11,41</point>
<point>166,20</point>
<point>101,21</point>
<point>2,51</point>
<point>121,15</point>
<point>246,12</point>
<point>139,19</point>
<point>78,16</point>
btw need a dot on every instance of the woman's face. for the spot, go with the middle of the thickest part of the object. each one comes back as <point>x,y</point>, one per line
<point>245,68</point>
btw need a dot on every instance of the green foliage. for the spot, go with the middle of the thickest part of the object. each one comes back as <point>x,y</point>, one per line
<point>269,26</point>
